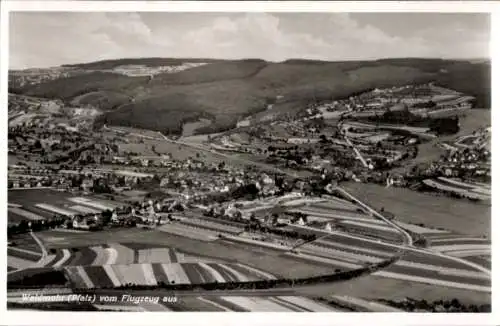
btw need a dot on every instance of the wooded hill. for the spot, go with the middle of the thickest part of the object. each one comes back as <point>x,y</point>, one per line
<point>225,91</point>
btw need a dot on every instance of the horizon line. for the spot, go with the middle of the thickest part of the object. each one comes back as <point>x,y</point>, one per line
<point>247,59</point>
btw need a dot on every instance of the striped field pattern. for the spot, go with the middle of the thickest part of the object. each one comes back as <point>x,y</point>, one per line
<point>109,254</point>
<point>266,304</point>
<point>24,213</point>
<point>362,305</point>
<point>232,303</point>
<point>155,273</point>
<point>116,264</point>
<point>36,204</point>
<point>24,253</point>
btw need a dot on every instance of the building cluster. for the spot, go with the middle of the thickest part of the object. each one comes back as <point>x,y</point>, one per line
<point>468,163</point>
<point>58,146</point>
<point>35,76</point>
<point>425,99</point>
<point>143,70</point>
<point>199,185</point>
<point>49,115</point>
<point>88,179</point>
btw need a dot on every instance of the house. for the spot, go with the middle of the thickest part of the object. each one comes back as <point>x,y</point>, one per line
<point>266,180</point>
<point>114,217</point>
<point>87,184</point>
<point>120,160</point>
<point>283,220</point>
<point>80,223</point>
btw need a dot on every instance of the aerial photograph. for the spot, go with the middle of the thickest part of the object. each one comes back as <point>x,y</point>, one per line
<point>249,162</point>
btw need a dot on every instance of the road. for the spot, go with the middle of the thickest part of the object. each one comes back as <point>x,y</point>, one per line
<point>356,151</point>
<point>23,188</point>
<point>395,270</point>
<point>42,247</point>
<point>408,239</point>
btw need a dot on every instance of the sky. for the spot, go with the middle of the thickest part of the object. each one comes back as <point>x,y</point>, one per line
<point>46,39</point>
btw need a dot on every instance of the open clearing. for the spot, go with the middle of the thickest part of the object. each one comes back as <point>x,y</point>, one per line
<point>475,119</point>
<point>430,151</point>
<point>438,211</point>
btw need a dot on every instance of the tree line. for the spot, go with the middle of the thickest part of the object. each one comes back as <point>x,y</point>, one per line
<point>25,226</point>
<point>453,305</point>
<point>445,125</point>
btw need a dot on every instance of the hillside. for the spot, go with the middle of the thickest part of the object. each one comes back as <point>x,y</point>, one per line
<point>226,91</point>
<point>68,88</point>
<point>150,62</point>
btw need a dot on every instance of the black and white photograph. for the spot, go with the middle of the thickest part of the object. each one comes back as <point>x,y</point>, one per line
<point>163,161</point>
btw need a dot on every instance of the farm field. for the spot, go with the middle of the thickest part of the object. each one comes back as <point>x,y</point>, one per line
<point>448,213</point>
<point>330,209</point>
<point>236,303</point>
<point>212,225</point>
<point>427,152</point>
<point>256,256</point>
<point>22,252</point>
<point>484,260</point>
<point>118,263</point>
<point>239,301</point>
<point>415,266</point>
<point>21,258</point>
<point>473,120</point>
<point>183,152</point>
<point>135,256</point>
<point>375,287</point>
<point>25,242</point>
<point>198,139</point>
<point>457,184</point>
<point>477,193</point>
<point>362,305</point>
<point>268,304</point>
<point>45,203</point>
<point>340,249</point>
<point>344,252</point>
<point>169,273</point>
<point>317,211</point>
<point>144,148</point>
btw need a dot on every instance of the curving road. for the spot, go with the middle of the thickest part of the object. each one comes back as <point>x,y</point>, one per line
<point>408,239</point>
<point>42,247</point>
<point>407,245</point>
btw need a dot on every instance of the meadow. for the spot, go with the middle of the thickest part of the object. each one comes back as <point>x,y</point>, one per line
<point>457,215</point>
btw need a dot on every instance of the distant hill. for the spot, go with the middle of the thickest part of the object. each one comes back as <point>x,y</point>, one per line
<point>224,91</point>
<point>149,62</point>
